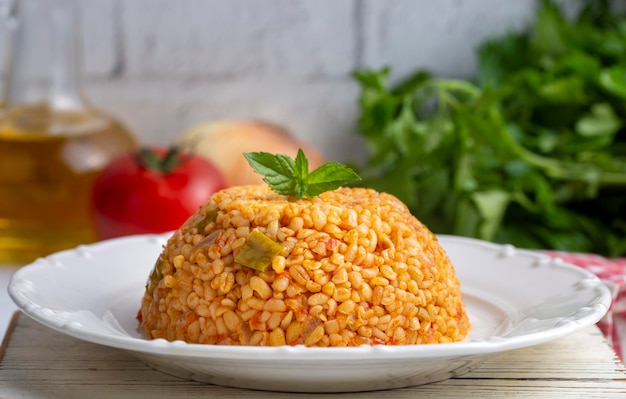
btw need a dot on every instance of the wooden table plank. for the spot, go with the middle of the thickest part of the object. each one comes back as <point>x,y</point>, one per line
<point>36,362</point>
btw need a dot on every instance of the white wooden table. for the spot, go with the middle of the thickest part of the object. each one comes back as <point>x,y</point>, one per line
<point>36,362</point>
<point>7,307</point>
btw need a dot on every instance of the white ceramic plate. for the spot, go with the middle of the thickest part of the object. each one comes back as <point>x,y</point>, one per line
<point>514,298</point>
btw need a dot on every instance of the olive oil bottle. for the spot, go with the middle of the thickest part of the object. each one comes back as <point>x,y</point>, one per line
<point>53,142</point>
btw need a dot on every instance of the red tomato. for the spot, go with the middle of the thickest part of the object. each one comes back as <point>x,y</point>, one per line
<point>140,193</point>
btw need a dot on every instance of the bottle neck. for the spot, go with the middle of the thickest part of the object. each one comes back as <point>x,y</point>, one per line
<point>44,58</point>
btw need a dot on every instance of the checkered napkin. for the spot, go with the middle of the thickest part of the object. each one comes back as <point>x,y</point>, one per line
<point>612,271</point>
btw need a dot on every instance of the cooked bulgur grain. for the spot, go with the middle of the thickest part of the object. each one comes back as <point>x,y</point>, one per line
<point>355,268</point>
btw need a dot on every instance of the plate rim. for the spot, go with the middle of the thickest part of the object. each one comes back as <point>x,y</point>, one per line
<point>161,347</point>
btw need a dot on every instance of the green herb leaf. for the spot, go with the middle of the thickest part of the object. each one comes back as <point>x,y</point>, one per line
<point>291,177</point>
<point>601,121</point>
<point>614,80</point>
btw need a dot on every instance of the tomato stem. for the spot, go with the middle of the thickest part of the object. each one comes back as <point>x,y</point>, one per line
<point>165,164</point>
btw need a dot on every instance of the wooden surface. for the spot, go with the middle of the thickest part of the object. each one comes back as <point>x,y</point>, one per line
<point>36,362</point>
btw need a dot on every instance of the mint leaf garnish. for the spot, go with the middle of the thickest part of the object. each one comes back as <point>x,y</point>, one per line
<point>288,176</point>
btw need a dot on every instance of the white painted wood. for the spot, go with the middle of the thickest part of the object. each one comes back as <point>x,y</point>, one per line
<point>36,362</point>
<point>7,306</point>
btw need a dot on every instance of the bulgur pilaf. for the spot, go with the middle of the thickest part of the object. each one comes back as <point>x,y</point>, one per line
<point>353,267</point>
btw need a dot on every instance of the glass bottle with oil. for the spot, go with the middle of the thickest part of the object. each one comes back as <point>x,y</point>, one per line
<point>53,142</point>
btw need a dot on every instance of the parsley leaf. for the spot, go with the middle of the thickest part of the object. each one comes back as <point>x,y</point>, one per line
<point>288,176</point>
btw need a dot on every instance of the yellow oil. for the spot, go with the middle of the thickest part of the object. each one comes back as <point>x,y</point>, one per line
<point>48,163</point>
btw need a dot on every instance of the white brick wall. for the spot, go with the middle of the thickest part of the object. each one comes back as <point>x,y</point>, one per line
<point>438,35</point>
<point>215,38</point>
<point>163,65</point>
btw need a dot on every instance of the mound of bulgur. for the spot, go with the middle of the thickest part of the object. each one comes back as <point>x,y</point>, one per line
<point>355,268</point>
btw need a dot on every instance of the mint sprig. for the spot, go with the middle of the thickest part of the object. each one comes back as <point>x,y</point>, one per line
<point>288,176</point>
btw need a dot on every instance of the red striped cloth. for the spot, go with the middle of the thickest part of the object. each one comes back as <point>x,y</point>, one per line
<point>612,271</point>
